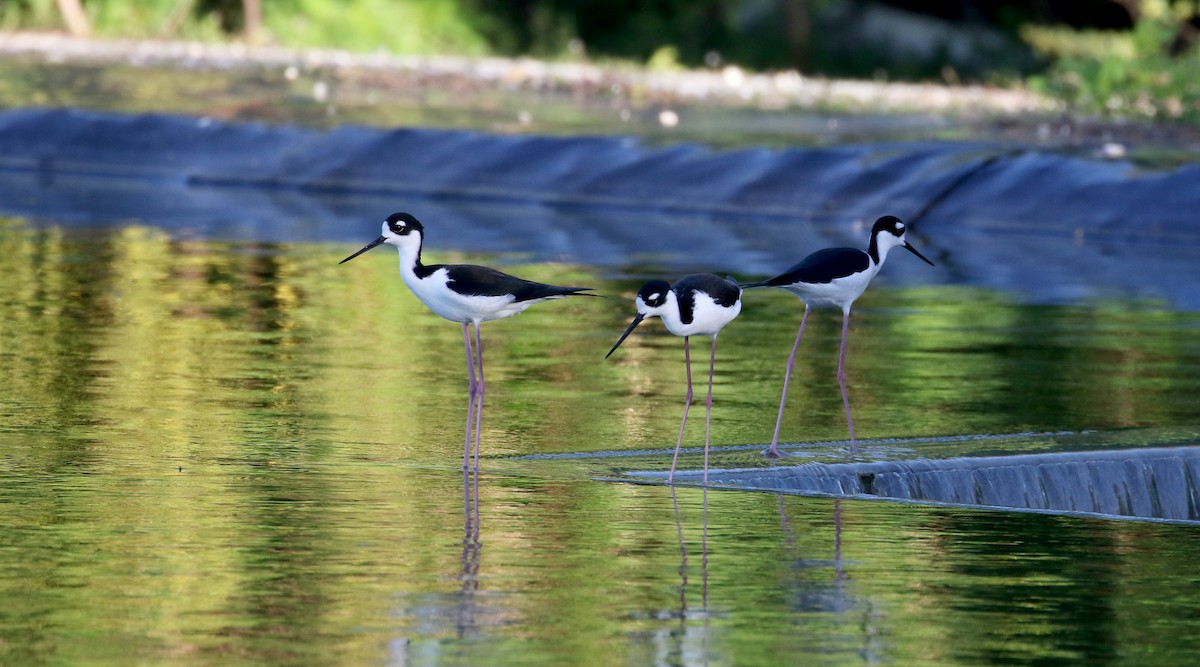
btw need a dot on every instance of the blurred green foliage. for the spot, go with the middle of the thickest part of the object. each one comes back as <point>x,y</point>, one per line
<point>411,26</point>
<point>29,14</point>
<point>1152,71</point>
<point>121,18</point>
<point>414,26</point>
<point>1149,71</point>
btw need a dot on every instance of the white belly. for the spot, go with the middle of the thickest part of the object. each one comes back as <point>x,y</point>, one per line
<point>707,317</point>
<point>840,292</point>
<point>433,292</point>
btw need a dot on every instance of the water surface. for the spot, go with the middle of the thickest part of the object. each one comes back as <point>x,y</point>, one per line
<point>241,452</point>
<point>217,446</point>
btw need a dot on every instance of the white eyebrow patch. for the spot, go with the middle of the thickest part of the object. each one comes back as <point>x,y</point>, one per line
<point>654,297</point>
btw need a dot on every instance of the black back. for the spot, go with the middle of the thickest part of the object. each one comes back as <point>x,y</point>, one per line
<point>723,292</point>
<point>823,266</point>
<point>473,280</point>
<point>826,266</point>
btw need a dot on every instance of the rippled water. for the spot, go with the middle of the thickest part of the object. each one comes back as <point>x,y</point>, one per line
<point>218,453</point>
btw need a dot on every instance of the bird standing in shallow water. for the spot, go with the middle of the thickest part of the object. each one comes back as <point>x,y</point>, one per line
<point>463,293</point>
<point>836,277</point>
<point>699,304</point>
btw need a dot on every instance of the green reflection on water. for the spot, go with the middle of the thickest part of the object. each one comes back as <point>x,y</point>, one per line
<point>232,454</point>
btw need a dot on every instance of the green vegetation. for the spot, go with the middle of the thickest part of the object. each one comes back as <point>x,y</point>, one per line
<point>1151,70</point>
<point>413,26</point>
<point>417,26</point>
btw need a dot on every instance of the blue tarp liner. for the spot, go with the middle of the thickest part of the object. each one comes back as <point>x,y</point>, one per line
<point>1149,483</point>
<point>1051,227</point>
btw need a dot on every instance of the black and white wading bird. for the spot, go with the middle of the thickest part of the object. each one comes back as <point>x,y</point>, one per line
<point>836,277</point>
<point>697,305</point>
<point>463,293</point>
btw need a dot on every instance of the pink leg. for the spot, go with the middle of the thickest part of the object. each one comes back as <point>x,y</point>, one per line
<point>712,366</point>
<point>687,362</point>
<point>471,388</point>
<point>841,375</point>
<point>479,354</point>
<point>470,398</point>
<point>787,379</point>
<point>704,558</point>
<point>478,400</point>
<point>482,389</point>
<point>470,508</point>
<point>470,428</point>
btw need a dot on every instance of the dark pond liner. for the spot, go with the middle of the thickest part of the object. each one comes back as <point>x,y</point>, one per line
<point>1152,483</point>
<point>1049,226</point>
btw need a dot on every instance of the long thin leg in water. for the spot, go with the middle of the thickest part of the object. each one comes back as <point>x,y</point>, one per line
<point>712,366</point>
<point>479,355</point>
<point>471,386</point>
<point>787,379</point>
<point>841,375</point>
<point>482,389</point>
<point>687,363</point>
<point>471,389</point>
<point>471,430</point>
<point>704,565</point>
<point>478,427</point>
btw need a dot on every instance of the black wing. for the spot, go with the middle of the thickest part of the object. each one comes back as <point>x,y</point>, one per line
<point>823,266</point>
<point>472,280</point>
<point>724,292</point>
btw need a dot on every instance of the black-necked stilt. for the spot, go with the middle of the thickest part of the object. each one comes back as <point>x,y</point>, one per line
<point>836,277</point>
<point>697,305</point>
<point>463,293</point>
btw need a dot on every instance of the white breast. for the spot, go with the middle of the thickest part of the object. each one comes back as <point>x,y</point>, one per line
<point>840,292</point>
<point>433,291</point>
<point>707,317</point>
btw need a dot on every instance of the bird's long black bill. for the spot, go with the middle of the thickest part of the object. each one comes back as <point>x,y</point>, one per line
<point>632,325</point>
<point>914,251</point>
<point>370,245</point>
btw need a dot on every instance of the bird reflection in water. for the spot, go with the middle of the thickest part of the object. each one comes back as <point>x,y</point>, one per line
<point>691,637</point>
<point>472,547</point>
<point>813,592</point>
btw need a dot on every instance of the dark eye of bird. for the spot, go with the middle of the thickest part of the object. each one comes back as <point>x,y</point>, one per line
<point>399,228</point>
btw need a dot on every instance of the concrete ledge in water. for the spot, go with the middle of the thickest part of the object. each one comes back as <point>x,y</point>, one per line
<point>1151,483</point>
